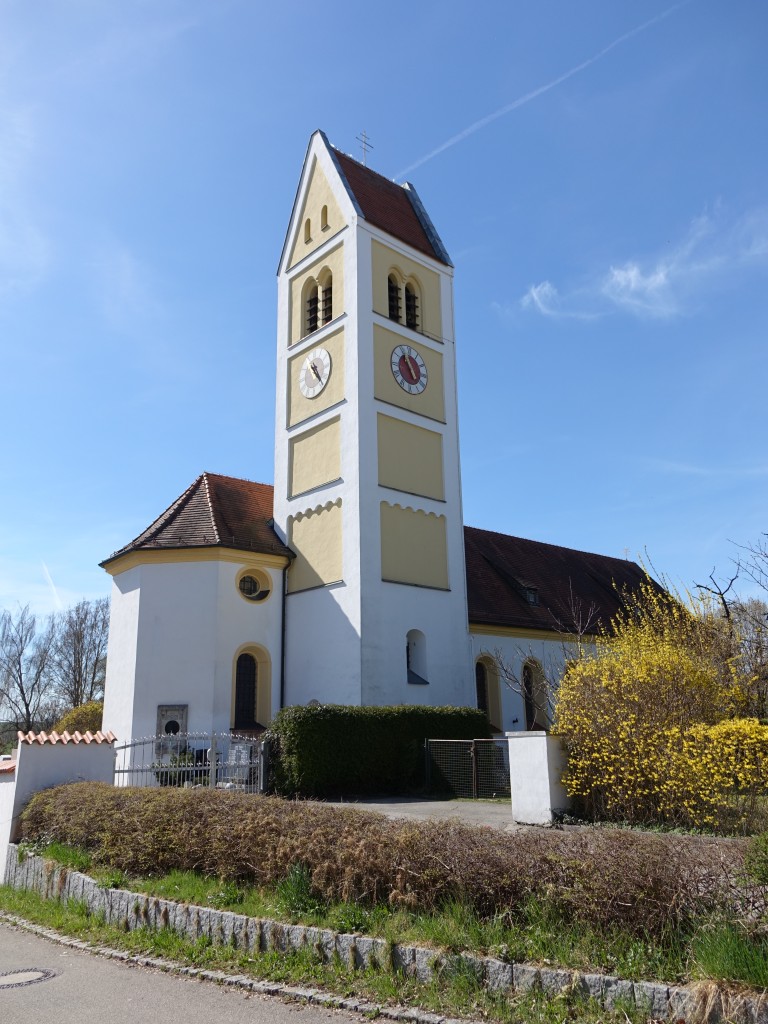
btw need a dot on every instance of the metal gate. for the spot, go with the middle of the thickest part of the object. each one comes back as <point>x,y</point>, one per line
<point>217,760</point>
<point>476,769</point>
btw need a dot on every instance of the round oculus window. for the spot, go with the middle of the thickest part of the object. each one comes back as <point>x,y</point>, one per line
<point>252,589</point>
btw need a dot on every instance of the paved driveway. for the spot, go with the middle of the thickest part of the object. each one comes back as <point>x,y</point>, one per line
<point>496,814</point>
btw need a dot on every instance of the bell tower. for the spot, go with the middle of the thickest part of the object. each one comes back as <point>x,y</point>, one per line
<point>367,483</point>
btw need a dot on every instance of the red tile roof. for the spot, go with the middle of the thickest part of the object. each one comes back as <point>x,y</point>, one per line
<point>393,208</point>
<point>7,767</point>
<point>531,585</point>
<point>66,737</point>
<point>215,511</point>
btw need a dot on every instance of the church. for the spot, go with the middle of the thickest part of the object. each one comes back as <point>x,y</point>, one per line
<point>352,579</point>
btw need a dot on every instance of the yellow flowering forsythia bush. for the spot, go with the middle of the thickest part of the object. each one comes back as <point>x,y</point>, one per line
<point>649,719</point>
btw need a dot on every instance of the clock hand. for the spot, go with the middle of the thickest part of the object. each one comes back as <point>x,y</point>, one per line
<point>315,370</point>
<point>411,367</point>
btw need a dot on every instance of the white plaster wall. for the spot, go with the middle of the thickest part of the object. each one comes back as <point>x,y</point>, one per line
<point>7,793</point>
<point>188,621</point>
<point>121,654</point>
<point>242,622</point>
<point>513,652</point>
<point>39,766</point>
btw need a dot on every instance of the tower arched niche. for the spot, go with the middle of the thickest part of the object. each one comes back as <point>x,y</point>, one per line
<point>325,295</point>
<point>310,306</point>
<point>251,703</point>
<point>488,691</point>
<point>395,294</point>
<point>412,297</point>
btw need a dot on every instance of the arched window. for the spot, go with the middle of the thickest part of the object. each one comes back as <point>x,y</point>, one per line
<point>326,300</point>
<point>394,298</point>
<point>481,686</point>
<point>411,307</point>
<point>534,694</point>
<point>324,219</point>
<point>416,657</point>
<point>488,692</point>
<point>307,230</point>
<point>311,308</point>
<point>245,693</point>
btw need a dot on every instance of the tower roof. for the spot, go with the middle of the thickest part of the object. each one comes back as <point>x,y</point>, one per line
<point>394,208</point>
<point>215,511</point>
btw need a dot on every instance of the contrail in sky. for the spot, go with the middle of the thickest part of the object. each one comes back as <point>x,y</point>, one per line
<point>522,100</point>
<point>52,585</point>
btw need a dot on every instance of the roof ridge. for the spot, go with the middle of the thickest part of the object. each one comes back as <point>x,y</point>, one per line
<point>216,534</point>
<point>555,547</point>
<point>370,170</point>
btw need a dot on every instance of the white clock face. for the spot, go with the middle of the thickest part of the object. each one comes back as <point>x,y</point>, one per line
<point>314,372</point>
<point>408,369</point>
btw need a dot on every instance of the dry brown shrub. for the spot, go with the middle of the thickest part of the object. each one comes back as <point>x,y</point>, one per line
<point>642,882</point>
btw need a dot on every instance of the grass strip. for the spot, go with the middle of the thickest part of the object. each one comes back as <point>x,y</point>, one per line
<point>453,993</point>
<point>538,932</point>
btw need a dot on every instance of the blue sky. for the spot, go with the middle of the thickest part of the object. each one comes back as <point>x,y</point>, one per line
<point>609,228</point>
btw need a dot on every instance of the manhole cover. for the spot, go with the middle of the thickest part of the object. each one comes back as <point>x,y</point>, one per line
<point>24,976</point>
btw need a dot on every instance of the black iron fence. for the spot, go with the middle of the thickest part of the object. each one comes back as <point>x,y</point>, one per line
<point>476,769</point>
<point>217,760</point>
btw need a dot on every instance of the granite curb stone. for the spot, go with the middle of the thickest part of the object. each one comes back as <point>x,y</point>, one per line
<point>130,910</point>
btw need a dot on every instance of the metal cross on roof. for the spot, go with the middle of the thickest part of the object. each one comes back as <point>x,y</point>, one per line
<point>365,145</point>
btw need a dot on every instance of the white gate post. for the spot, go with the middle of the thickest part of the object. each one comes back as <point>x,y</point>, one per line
<point>536,762</point>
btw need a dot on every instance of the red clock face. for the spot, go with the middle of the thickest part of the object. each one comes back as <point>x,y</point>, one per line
<point>409,370</point>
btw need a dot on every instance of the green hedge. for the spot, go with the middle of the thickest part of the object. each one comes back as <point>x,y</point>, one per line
<point>335,748</point>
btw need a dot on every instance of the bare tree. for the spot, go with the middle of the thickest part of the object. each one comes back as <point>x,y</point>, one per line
<point>754,561</point>
<point>26,688</point>
<point>537,683</point>
<point>79,655</point>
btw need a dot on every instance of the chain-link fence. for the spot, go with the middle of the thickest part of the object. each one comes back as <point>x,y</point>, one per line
<point>219,760</point>
<point>477,769</point>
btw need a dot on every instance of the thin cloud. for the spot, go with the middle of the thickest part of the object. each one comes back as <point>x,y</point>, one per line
<point>528,97</point>
<point>544,298</point>
<point>669,284</point>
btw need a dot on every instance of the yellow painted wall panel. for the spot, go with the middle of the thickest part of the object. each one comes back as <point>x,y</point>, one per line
<point>413,547</point>
<point>315,457</point>
<point>299,407</point>
<point>384,260</point>
<point>332,262</point>
<point>318,195</point>
<point>410,458</point>
<point>431,401</point>
<point>316,538</point>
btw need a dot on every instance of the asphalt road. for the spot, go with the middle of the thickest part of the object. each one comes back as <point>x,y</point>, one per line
<point>87,988</point>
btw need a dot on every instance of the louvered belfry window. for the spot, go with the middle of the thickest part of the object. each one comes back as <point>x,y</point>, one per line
<point>394,299</point>
<point>411,308</point>
<point>327,311</point>
<point>312,311</point>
